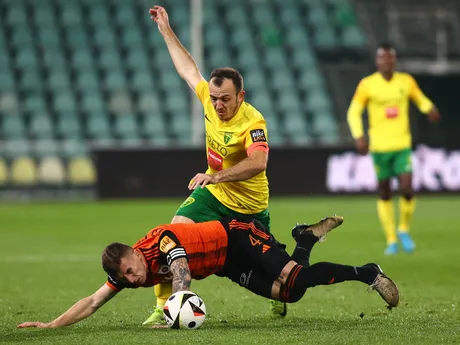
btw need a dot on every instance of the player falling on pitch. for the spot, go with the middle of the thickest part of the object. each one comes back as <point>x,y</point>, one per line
<point>235,182</point>
<point>237,248</point>
<point>386,93</point>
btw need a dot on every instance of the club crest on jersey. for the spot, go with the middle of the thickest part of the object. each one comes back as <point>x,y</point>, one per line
<point>258,135</point>
<point>227,137</point>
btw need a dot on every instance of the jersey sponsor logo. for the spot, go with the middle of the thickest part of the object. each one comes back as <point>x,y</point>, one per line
<point>190,200</point>
<point>216,146</point>
<point>166,244</point>
<point>391,112</point>
<point>215,160</point>
<point>258,135</point>
<point>227,137</point>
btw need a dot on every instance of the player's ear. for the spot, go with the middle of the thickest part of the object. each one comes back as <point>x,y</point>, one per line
<point>241,96</point>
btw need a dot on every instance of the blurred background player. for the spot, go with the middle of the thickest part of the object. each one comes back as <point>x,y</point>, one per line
<point>235,182</point>
<point>386,95</point>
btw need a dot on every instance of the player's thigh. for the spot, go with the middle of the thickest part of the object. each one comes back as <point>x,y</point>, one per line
<point>264,218</point>
<point>251,278</point>
<point>254,245</point>
<point>382,165</point>
<point>402,162</point>
<point>200,206</point>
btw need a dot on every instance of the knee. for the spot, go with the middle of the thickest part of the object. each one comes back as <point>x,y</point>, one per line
<point>384,194</point>
<point>407,192</point>
<point>292,295</point>
<point>384,191</point>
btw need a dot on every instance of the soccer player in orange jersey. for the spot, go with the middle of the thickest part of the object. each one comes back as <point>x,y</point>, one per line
<point>237,248</point>
<point>386,94</point>
<point>235,182</point>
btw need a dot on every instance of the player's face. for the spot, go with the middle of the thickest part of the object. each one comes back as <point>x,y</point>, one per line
<point>133,268</point>
<point>386,60</point>
<point>225,100</point>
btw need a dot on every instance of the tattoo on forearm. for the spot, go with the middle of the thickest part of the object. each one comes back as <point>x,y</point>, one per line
<point>182,277</point>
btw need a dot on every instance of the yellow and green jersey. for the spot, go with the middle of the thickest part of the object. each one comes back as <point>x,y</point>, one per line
<point>227,144</point>
<point>387,104</point>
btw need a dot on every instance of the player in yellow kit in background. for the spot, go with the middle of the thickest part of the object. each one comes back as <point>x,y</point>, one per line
<point>386,93</point>
<point>235,183</point>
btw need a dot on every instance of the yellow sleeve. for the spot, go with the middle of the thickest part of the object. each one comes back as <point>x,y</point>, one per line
<point>355,111</point>
<point>256,138</point>
<point>423,103</point>
<point>202,91</point>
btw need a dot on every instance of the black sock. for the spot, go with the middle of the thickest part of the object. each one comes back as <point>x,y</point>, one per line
<point>326,273</point>
<point>301,253</point>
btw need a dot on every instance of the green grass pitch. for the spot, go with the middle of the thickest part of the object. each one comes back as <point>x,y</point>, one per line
<point>50,258</point>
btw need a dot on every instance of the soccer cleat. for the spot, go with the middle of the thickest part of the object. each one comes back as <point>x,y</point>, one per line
<point>392,249</point>
<point>386,288</point>
<point>278,309</point>
<point>407,243</point>
<point>320,229</point>
<point>156,319</point>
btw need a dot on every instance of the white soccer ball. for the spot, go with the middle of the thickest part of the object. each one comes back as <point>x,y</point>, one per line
<point>184,309</point>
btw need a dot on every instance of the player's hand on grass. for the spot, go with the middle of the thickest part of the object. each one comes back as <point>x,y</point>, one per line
<point>36,324</point>
<point>361,146</point>
<point>159,15</point>
<point>201,180</point>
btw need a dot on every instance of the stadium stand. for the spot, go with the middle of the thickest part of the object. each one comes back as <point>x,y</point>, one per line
<point>23,171</point>
<point>3,172</point>
<point>51,171</point>
<point>81,171</point>
<point>77,73</point>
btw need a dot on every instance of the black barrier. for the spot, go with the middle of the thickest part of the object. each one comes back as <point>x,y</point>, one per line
<point>165,173</point>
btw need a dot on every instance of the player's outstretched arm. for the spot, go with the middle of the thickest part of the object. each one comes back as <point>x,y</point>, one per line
<point>354,118</point>
<point>79,311</point>
<point>182,278</point>
<point>434,115</point>
<point>183,61</point>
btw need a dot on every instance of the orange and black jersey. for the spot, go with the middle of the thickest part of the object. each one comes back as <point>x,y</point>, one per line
<point>203,244</point>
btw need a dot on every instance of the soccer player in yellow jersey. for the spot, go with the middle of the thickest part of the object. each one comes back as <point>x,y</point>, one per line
<point>386,94</point>
<point>235,182</point>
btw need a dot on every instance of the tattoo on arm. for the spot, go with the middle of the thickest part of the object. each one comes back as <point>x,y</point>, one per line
<point>182,278</point>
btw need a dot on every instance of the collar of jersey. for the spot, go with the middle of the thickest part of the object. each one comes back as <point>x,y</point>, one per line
<point>235,118</point>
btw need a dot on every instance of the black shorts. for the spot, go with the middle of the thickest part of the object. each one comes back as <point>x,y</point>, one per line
<point>254,258</point>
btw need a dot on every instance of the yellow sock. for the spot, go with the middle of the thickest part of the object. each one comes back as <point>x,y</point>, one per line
<point>386,216</point>
<point>162,291</point>
<point>406,210</point>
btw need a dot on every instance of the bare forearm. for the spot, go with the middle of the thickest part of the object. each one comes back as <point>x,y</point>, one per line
<point>182,278</point>
<point>181,58</point>
<point>79,311</point>
<point>244,170</point>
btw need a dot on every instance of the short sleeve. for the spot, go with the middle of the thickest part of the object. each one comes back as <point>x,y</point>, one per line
<point>115,284</point>
<point>256,138</point>
<point>171,247</point>
<point>202,91</point>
